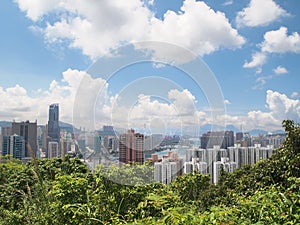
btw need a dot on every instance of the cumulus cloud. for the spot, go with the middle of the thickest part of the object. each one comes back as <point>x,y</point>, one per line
<point>275,42</point>
<point>258,60</point>
<point>19,105</point>
<point>84,101</point>
<point>280,70</point>
<point>278,41</point>
<point>260,13</point>
<point>280,107</point>
<point>96,27</point>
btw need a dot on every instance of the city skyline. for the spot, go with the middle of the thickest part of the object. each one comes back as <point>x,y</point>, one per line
<point>254,63</point>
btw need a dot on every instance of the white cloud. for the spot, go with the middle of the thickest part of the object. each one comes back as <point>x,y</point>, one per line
<point>227,102</point>
<point>278,41</point>
<point>261,81</point>
<point>279,106</point>
<point>97,27</point>
<point>258,59</point>
<point>228,2</point>
<point>19,105</point>
<point>282,107</point>
<point>275,41</point>
<point>36,9</point>
<point>260,13</point>
<point>80,105</point>
<point>294,94</point>
<point>280,70</point>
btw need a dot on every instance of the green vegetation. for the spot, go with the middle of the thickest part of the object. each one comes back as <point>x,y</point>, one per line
<point>56,191</point>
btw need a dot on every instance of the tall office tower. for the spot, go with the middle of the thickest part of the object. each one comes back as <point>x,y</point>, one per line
<point>27,130</point>
<point>53,150</point>
<point>227,167</point>
<point>53,123</point>
<point>131,147</point>
<point>13,145</point>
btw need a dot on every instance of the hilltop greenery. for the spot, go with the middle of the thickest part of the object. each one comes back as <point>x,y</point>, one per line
<point>53,191</point>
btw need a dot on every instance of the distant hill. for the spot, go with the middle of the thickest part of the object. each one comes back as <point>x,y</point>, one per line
<point>256,132</point>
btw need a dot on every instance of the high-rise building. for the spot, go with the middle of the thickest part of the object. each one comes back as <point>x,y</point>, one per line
<point>131,147</point>
<point>13,145</point>
<point>167,168</point>
<point>195,165</point>
<point>211,157</point>
<point>227,167</point>
<point>53,123</point>
<point>224,139</point>
<point>196,153</point>
<point>165,171</point>
<point>239,136</point>
<point>97,144</point>
<point>5,131</point>
<point>28,131</point>
<point>53,149</point>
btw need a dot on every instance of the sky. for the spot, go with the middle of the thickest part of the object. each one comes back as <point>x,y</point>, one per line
<point>151,64</point>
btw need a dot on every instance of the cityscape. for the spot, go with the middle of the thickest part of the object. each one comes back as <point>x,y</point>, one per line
<point>170,156</point>
<point>149,112</point>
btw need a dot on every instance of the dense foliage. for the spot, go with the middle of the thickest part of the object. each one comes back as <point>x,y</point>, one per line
<point>55,191</point>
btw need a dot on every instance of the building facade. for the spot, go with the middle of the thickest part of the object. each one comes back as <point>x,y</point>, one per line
<point>28,131</point>
<point>53,123</point>
<point>13,145</point>
<point>131,147</point>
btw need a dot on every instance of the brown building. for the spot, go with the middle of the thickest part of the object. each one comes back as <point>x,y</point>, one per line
<point>27,130</point>
<point>131,147</point>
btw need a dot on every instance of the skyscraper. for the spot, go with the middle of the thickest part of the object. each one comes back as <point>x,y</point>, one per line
<point>28,131</point>
<point>53,123</point>
<point>131,147</point>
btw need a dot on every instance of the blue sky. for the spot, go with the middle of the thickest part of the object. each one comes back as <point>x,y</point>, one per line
<point>252,48</point>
